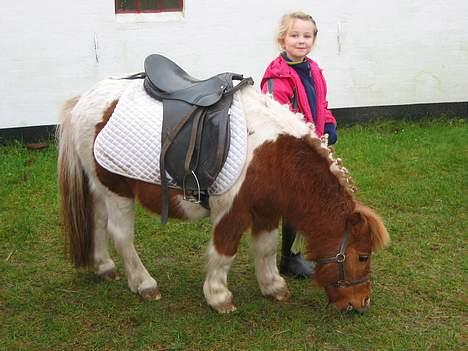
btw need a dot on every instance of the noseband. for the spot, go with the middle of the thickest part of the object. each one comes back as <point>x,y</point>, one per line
<point>340,259</point>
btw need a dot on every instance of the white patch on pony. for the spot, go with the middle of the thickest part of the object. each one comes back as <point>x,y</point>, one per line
<point>215,287</point>
<point>267,119</point>
<point>121,226</point>
<point>264,249</point>
<point>191,211</point>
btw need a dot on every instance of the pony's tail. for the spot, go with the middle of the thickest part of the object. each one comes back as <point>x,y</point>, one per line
<point>76,201</point>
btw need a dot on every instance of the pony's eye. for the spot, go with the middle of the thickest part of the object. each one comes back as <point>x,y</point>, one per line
<point>363,258</point>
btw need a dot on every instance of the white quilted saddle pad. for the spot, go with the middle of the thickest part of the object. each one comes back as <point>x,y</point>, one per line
<point>130,143</point>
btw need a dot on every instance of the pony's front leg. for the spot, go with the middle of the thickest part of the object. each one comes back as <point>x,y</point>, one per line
<point>120,211</point>
<point>215,287</point>
<point>221,253</point>
<point>270,281</point>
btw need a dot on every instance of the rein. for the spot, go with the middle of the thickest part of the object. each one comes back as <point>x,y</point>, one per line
<point>340,259</point>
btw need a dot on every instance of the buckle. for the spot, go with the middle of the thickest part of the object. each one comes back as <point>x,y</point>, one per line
<point>342,284</point>
<point>340,257</point>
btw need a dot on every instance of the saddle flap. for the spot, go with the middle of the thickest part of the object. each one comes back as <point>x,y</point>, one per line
<point>209,132</point>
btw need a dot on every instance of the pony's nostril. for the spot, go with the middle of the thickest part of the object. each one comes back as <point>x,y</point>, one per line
<point>366,302</point>
<point>349,308</point>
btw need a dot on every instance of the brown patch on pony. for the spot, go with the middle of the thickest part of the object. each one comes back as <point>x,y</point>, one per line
<point>323,197</point>
<point>76,203</point>
<point>229,230</point>
<point>148,194</point>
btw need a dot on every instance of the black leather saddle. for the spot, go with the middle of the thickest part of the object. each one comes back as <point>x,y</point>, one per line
<point>195,136</point>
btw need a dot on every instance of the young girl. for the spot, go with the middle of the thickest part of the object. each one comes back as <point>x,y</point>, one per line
<point>294,79</point>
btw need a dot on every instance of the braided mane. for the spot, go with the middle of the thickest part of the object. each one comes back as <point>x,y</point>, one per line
<point>336,164</point>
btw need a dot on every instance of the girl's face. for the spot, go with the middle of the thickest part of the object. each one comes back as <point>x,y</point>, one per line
<point>299,39</point>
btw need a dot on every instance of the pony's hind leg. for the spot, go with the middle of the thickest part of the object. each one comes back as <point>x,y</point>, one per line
<point>104,266</point>
<point>270,281</point>
<point>120,224</point>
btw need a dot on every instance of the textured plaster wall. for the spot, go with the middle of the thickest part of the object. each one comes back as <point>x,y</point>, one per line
<point>373,52</point>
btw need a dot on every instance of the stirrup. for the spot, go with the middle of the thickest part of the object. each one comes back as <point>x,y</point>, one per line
<point>191,198</point>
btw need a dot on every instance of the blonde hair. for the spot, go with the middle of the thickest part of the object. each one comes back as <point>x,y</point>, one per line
<point>286,21</point>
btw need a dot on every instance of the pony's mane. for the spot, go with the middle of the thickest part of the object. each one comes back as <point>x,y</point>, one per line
<point>267,117</point>
<point>335,164</point>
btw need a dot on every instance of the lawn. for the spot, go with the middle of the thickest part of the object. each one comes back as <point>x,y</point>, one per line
<point>414,174</point>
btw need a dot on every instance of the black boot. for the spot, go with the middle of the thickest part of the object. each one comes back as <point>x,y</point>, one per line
<point>290,263</point>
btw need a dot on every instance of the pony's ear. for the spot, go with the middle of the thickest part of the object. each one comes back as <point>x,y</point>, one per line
<point>379,234</point>
<point>355,218</point>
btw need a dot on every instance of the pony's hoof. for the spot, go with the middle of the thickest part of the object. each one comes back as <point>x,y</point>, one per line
<point>225,308</point>
<point>282,295</point>
<point>109,275</point>
<point>150,294</point>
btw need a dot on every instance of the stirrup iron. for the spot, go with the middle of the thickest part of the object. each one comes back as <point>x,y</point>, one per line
<point>193,199</point>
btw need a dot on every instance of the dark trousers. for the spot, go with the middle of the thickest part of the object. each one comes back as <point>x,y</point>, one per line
<point>288,235</point>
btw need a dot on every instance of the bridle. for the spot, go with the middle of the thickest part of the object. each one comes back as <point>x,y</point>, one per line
<point>340,259</point>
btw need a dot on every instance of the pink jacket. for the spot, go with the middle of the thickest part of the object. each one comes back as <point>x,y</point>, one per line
<point>286,81</point>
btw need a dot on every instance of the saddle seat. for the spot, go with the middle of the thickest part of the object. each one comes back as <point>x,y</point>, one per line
<point>169,81</point>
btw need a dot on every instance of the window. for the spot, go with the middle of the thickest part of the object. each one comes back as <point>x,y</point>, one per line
<point>147,6</point>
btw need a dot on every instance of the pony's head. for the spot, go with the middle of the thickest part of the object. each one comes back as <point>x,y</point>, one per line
<point>345,271</point>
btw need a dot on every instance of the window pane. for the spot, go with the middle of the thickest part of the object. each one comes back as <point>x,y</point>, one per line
<point>137,6</point>
<point>124,5</point>
<point>171,4</point>
<point>149,5</point>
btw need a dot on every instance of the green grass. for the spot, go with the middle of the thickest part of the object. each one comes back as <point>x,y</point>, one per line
<point>414,174</point>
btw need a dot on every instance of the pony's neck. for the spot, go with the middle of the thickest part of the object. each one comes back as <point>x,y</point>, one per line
<point>314,200</point>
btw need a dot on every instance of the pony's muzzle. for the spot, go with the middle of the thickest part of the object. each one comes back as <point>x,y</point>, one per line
<point>360,309</point>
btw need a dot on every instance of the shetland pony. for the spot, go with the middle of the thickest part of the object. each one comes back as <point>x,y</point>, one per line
<point>288,174</point>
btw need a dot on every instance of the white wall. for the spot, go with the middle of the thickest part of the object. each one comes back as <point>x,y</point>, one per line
<point>372,52</point>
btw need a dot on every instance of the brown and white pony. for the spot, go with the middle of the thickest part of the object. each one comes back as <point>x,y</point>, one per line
<point>288,174</point>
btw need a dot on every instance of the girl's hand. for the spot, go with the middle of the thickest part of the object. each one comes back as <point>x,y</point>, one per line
<point>330,129</point>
